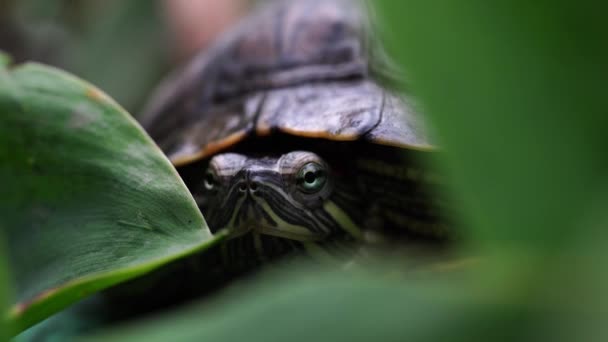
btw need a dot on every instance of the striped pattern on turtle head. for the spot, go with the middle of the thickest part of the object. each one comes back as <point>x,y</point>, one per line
<point>291,196</point>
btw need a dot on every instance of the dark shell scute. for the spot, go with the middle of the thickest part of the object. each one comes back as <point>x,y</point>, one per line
<point>400,125</point>
<point>293,43</point>
<point>338,110</point>
<point>214,130</point>
<point>299,67</point>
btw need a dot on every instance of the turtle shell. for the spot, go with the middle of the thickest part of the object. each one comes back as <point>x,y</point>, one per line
<point>297,67</point>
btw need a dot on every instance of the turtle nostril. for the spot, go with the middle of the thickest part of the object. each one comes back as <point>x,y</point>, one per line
<point>253,186</point>
<point>242,187</point>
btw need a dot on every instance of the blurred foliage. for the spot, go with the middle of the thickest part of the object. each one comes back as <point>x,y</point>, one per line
<point>322,305</point>
<point>314,305</point>
<point>4,287</point>
<point>83,209</point>
<point>515,93</point>
<point>122,47</point>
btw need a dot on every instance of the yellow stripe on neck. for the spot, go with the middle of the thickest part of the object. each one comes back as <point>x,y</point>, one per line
<point>343,220</point>
<point>286,230</point>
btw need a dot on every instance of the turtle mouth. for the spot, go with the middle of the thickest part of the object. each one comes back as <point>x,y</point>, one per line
<point>264,229</point>
<point>240,230</point>
<point>304,235</point>
<point>257,216</point>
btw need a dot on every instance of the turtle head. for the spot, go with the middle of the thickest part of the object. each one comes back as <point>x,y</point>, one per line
<point>288,196</point>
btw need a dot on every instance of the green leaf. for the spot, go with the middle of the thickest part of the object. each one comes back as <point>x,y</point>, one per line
<point>321,305</point>
<point>299,304</point>
<point>4,59</point>
<point>108,33</point>
<point>4,290</point>
<point>516,92</point>
<point>88,200</point>
<point>95,40</point>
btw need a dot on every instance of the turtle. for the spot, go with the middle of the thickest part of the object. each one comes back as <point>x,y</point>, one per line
<point>289,138</point>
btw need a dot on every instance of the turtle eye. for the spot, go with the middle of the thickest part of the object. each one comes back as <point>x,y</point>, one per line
<point>311,178</point>
<point>209,181</point>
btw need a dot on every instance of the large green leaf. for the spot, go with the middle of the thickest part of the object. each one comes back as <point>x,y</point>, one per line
<point>4,300</point>
<point>305,306</point>
<point>87,199</point>
<point>516,92</point>
<point>317,305</point>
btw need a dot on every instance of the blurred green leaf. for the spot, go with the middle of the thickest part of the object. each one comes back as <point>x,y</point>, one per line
<point>308,305</point>
<point>321,305</point>
<point>4,290</point>
<point>4,59</point>
<point>37,10</point>
<point>120,46</point>
<point>88,199</point>
<point>83,317</point>
<point>295,303</point>
<point>516,92</point>
<point>4,279</point>
<point>123,50</point>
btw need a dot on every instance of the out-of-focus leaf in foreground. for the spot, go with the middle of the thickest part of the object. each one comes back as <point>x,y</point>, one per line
<point>516,92</point>
<point>317,305</point>
<point>313,305</point>
<point>4,291</point>
<point>87,199</point>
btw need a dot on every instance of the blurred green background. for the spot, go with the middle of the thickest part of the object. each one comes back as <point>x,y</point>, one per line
<point>123,47</point>
<point>4,287</point>
<point>515,92</point>
<point>119,45</point>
